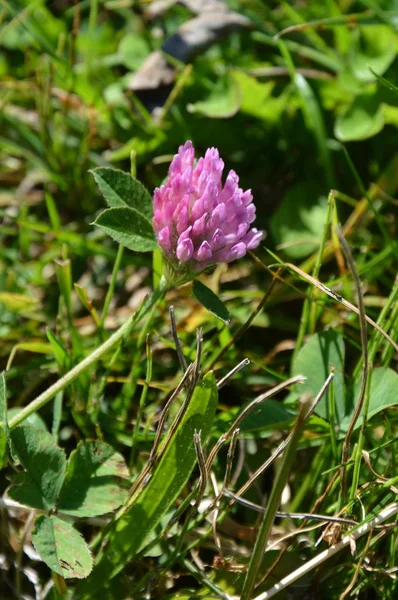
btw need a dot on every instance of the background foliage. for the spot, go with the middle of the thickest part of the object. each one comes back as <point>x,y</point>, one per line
<point>122,83</point>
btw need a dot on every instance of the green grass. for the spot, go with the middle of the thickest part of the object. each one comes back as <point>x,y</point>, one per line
<point>94,393</point>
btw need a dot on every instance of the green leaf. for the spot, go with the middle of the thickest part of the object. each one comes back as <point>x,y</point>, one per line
<point>211,301</point>
<point>94,481</point>
<point>61,547</point>
<point>298,222</point>
<point>18,303</point>
<point>120,189</point>
<point>390,114</point>
<point>133,49</point>
<point>44,463</point>
<point>4,433</point>
<point>64,275</point>
<point>270,414</point>
<point>85,300</point>
<point>145,144</point>
<point>374,46</point>
<point>33,419</point>
<point>322,353</point>
<point>257,99</point>
<point>59,350</point>
<point>36,347</point>
<point>223,101</point>
<point>136,522</point>
<point>383,394</point>
<point>128,227</point>
<point>314,120</point>
<point>363,119</point>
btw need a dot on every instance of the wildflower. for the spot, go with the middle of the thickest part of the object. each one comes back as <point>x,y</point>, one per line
<point>199,222</point>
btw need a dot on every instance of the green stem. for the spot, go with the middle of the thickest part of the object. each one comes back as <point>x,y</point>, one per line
<point>141,404</point>
<point>332,420</point>
<point>200,576</point>
<point>110,343</point>
<point>392,328</point>
<point>361,438</point>
<point>306,314</point>
<point>319,257</point>
<point>311,480</point>
<point>374,343</point>
<point>92,20</point>
<point>129,387</point>
<point>112,284</point>
<point>273,505</point>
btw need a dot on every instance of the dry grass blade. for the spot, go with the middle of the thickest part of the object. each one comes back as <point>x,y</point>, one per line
<point>352,19</point>
<point>339,299</point>
<point>357,568</point>
<point>285,515</point>
<point>233,372</point>
<point>247,410</point>
<point>230,458</point>
<point>191,376</point>
<point>155,455</point>
<point>285,442</point>
<point>274,500</point>
<point>202,468</point>
<point>385,514</point>
<point>240,462</point>
<point>227,476</point>
<point>364,346</point>
<point>249,321</point>
<point>167,407</point>
<point>199,342</point>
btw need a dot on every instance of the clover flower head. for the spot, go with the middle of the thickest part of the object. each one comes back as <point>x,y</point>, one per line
<point>197,220</point>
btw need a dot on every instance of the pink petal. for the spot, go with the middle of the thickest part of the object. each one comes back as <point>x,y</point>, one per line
<point>175,166</point>
<point>253,238</point>
<point>218,216</point>
<point>197,171</point>
<point>247,197</point>
<point>157,221</point>
<point>157,198</point>
<point>234,205</point>
<point>210,197</point>
<point>242,230</point>
<point>185,235</point>
<point>251,213</point>
<point>197,209</point>
<point>164,239</point>
<point>230,186</point>
<point>198,228</point>
<point>175,185</point>
<point>237,251</point>
<point>168,210</point>
<point>187,153</point>
<point>204,253</point>
<point>186,181</point>
<point>181,214</point>
<point>184,250</point>
<point>182,219</point>
<point>217,240</point>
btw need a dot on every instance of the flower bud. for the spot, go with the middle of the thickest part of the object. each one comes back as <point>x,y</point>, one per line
<point>197,220</point>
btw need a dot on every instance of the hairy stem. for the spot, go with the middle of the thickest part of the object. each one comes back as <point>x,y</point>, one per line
<point>98,353</point>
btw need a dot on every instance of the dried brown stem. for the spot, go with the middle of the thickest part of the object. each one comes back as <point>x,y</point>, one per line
<point>285,442</point>
<point>364,346</point>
